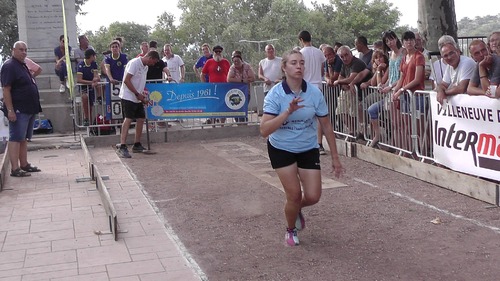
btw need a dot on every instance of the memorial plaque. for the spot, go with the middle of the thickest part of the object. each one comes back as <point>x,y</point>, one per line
<point>41,24</point>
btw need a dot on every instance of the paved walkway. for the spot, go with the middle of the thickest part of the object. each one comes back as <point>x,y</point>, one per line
<point>53,227</point>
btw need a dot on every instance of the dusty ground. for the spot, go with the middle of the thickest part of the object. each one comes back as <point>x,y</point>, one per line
<point>219,198</point>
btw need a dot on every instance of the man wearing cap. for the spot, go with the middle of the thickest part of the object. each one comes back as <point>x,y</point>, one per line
<point>216,68</point>
<point>87,75</point>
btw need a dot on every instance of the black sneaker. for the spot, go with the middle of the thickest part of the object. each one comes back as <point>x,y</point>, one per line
<point>123,152</point>
<point>137,148</point>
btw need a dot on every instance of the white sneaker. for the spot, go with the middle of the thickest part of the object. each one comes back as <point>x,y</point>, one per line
<point>62,89</point>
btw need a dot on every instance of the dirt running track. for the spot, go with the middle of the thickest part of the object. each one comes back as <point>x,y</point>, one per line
<point>223,201</point>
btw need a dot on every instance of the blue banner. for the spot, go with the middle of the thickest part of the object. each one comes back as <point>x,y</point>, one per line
<point>196,100</point>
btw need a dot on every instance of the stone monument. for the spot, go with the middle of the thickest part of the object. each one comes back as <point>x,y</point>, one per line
<point>40,25</point>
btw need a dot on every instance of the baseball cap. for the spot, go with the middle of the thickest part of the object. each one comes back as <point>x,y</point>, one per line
<point>218,47</point>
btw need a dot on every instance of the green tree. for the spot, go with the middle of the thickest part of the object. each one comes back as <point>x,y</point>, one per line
<point>132,33</point>
<point>165,32</point>
<point>480,26</point>
<point>363,17</point>
<point>8,27</point>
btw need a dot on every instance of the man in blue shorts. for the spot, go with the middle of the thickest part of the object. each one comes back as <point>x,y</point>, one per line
<point>21,104</point>
<point>133,100</point>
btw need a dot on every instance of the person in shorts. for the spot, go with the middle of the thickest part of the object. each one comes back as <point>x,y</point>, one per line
<point>292,110</point>
<point>21,104</point>
<point>133,100</point>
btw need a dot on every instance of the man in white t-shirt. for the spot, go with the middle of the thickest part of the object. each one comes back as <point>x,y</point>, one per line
<point>270,69</point>
<point>314,60</point>
<point>174,64</point>
<point>133,100</point>
<point>459,69</point>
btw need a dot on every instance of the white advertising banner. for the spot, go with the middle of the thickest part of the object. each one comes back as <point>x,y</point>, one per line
<point>466,134</point>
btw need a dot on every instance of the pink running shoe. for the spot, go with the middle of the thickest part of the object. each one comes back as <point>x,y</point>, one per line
<point>300,222</point>
<point>291,237</point>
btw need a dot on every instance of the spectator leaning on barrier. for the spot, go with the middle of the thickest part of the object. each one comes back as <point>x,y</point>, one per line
<point>380,63</point>
<point>240,72</point>
<point>216,69</point>
<point>133,100</point>
<point>352,74</point>
<point>411,78</point>
<point>115,63</point>
<point>87,74</point>
<point>393,47</point>
<point>21,103</point>
<point>487,72</point>
<point>459,69</point>
<point>334,65</point>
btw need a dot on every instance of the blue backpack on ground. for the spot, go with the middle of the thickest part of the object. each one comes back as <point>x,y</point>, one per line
<point>42,126</point>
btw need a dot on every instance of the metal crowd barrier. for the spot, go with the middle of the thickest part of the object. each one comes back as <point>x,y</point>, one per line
<point>91,116</point>
<point>405,127</point>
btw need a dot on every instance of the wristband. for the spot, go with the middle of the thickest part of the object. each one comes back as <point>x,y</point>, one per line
<point>484,76</point>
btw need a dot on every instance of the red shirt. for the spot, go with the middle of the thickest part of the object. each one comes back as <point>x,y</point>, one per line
<point>217,71</point>
<point>409,69</point>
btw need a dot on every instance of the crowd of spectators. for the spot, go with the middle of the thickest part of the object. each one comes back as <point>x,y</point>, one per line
<point>392,66</point>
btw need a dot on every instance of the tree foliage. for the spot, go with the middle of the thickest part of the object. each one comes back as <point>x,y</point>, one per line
<point>480,26</point>
<point>8,27</point>
<point>132,33</point>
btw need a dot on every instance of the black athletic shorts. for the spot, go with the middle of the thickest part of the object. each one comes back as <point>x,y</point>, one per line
<point>133,110</point>
<point>282,158</point>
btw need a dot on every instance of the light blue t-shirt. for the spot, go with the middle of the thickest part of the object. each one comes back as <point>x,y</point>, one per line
<point>299,132</point>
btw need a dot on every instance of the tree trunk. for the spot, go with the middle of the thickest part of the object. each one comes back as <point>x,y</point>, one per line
<point>436,18</point>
